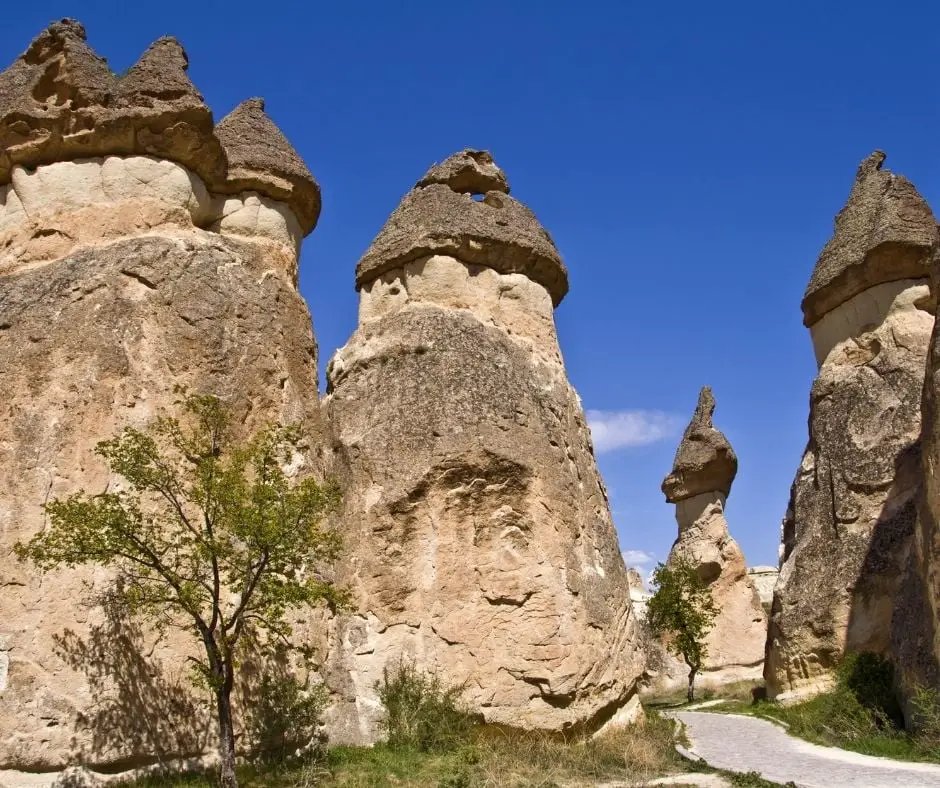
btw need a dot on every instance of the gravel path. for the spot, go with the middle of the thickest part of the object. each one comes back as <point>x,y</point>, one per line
<point>743,744</point>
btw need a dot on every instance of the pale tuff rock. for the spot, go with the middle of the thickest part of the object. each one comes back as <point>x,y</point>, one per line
<point>915,638</point>
<point>122,274</point>
<point>481,541</point>
<point>59,102</point>
<point>699,483</point>
<point>441,216</point>
<point>764,578</point>
<point>848,526</point>
<point>705,461</point>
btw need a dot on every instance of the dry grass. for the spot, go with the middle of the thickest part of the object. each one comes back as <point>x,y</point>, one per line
<point>492,758</point>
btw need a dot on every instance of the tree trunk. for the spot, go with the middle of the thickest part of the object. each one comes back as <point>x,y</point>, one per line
<point>227,778</point>
<point>691,693</point>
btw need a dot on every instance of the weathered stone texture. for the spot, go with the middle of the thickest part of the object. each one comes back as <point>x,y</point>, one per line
<point>701,478</point>
<point>705,461</point>
<point>441,216</point>
<point>915,637</point>
<point>883,234</point>
<point>59,101</point>
<point>483,544</point>
<point>121,276</point>
<point>852,506</point>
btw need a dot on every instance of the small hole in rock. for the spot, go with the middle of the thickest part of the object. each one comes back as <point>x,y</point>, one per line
<point>394,290</point>
<point>477,197</point>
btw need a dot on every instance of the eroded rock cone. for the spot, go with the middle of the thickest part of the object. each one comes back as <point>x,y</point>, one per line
<point>699,483</point>
<point>848,526</point>
<point>483,547</point>
<point>123,272</point>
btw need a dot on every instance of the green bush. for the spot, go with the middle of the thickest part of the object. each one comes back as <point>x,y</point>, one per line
<point>870,680</point>
<point>283,719</point>
<point>421,712</point>
<point>925,703</point>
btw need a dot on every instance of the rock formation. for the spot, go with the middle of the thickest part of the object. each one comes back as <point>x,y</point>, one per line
<point>140,247</point>
<point>915,636</point>
<point>764,579</point>
<point>699,483</point>
<point>483,545</point>
<point>852,507</point>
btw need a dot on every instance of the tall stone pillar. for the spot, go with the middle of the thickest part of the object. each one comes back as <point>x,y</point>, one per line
<point>699,484</point>
<point>852,506</point>
<point>482,543</point>
<point>141,247</point>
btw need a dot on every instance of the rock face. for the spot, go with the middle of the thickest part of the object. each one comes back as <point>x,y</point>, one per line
<point>484,548</point>
<point>699,483</point>
<point>852,507</point>
<point>915,637</point>
<point>129,263</point>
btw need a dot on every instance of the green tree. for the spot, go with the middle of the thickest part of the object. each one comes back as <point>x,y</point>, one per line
<point>682,611</point>
<point>211,536</point>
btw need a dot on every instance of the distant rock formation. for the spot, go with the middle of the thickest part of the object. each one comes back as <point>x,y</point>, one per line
<point>639,595</point>
<point>852,507</point>
<point>141,247</point>
<point>481,541</point>
<point>764,578</point>
<point>699,483</point>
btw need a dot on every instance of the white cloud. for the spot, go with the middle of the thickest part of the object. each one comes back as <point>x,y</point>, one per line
<point>618,429</point>
<point>637,558</point>
<point>643,562</point>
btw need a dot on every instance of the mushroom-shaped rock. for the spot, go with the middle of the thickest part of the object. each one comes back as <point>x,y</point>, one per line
<point>441,216</point>
<point>884,233</point>
<point>469,172</point>
<point>60,101</point>
<point>261,159</point>
<point>169,115</point>
<point>705,461</point>
<point>52,96</point>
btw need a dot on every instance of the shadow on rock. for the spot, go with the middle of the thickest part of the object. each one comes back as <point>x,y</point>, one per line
<point>139,715</point>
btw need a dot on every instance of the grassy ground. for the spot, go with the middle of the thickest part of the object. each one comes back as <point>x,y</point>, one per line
<point>492,758</point>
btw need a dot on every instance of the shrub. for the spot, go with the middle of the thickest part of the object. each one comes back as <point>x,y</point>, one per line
<point>283,720</point>
<point>421,712</point>
<point>925,703</point>
<point>870,679</point>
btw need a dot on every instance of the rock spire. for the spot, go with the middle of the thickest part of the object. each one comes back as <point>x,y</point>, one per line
<point>483,543</point>
<point>699,483</point>
<point>848,526</point>
<point>133,258</point>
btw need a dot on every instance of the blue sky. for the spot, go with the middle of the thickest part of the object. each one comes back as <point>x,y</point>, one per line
<point>687,157</point>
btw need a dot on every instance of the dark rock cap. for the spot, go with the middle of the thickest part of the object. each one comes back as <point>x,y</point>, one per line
<point>705,461</point>
<point>885,232</point>
<point>441,216</point>
<point>260,158</point>
<point>468,172</point>
<point>60,101</point>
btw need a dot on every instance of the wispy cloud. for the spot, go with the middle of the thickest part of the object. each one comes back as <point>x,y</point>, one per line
<point>619,429</point>
<point>637,558</point>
